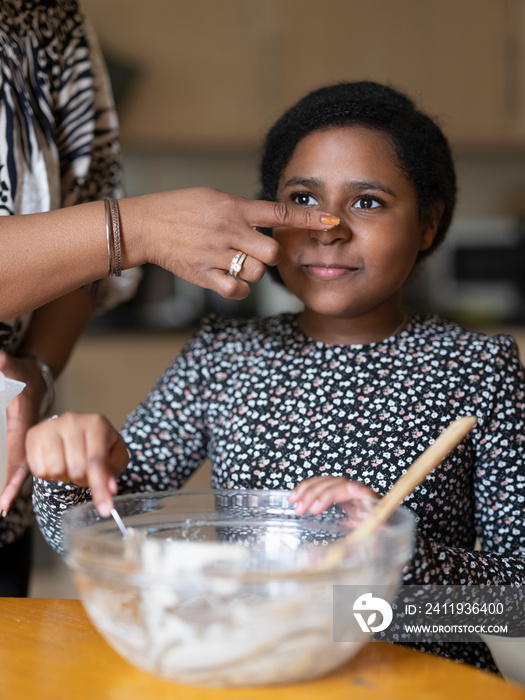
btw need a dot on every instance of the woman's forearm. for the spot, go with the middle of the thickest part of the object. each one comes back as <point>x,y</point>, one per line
<point>47,255</point>
<point>51,336</point>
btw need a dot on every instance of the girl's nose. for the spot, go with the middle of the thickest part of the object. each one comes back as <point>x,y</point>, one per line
<point>339,234</point>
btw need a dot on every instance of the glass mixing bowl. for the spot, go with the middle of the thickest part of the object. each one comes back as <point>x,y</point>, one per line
<point>220,587</point>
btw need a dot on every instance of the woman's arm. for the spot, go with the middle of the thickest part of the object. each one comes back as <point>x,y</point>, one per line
<point>193,233</point>
<point>52,334</point>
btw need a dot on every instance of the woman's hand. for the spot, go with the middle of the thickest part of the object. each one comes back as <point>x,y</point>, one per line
<point>320,492</point>
<point>79,448</point>
<point>22,413</point>
<point>196,232</point>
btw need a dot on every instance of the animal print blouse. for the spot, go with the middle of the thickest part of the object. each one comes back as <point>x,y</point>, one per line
<point>58,141</point>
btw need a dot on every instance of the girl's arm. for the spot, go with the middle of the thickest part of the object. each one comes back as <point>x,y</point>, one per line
<point>498,491</point>
<point>78,456</point>
<point>498,480</point>
<point>432,562</point>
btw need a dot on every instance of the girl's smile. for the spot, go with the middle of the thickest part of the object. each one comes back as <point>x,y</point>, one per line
<point>328,271</point>
<point>350,278</point>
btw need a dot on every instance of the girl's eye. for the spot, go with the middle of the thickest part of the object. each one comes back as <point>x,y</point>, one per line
<point>304,200</point>
<point>367,203</point>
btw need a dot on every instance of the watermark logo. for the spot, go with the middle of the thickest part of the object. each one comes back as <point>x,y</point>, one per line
<point>428,613</point>
<point>367,602</point>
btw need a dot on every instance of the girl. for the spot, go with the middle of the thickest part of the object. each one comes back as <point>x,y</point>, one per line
<point>345,395</point>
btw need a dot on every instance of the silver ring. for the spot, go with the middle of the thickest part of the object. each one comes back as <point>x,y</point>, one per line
<point>237,263</point>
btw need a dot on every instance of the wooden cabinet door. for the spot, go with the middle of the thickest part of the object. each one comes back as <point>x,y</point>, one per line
<point>216,73</point>
<point>461,60</point>
<point>194,62</point>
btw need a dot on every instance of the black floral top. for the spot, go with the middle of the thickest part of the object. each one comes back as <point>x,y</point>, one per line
<point>271,407</point>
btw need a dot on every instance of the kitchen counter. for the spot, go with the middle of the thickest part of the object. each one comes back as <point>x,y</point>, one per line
<point>49,650</point>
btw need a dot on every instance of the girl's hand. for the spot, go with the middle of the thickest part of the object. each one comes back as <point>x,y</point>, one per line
<point>320,492</point>
<point>79,448</point>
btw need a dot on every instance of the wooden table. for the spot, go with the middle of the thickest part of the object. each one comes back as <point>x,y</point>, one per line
<point>49,650</point>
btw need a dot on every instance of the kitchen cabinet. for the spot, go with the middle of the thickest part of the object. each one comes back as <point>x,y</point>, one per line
<point>461,60</point>
<point>216,73</point>
<point>195,81</point>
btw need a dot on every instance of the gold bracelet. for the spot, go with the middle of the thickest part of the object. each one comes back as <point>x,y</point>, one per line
<point>109,236</point>
<point>115,220</point>
<point>113,237</point>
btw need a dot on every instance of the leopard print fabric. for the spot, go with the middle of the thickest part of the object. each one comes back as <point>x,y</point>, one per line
<point>58,136</point>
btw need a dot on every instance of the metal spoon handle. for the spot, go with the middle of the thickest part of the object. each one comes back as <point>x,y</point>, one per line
<point>121,526</point>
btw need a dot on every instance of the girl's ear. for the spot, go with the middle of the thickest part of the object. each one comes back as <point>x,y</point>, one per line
<point>429,226</point>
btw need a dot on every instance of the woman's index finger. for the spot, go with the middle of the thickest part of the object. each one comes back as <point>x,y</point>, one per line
<point>279,214</point>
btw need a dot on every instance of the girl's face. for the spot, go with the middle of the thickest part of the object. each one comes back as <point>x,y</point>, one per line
<point>350,278</point>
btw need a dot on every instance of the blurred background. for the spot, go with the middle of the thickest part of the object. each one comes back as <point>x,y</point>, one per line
<point>197,84</point>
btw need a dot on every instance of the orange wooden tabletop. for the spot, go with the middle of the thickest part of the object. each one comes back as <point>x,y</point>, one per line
<point>49,650</point>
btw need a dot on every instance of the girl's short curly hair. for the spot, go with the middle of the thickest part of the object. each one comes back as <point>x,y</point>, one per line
<point>422,149</point>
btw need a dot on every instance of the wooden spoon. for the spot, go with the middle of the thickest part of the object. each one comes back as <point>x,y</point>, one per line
<point>404,486</point>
